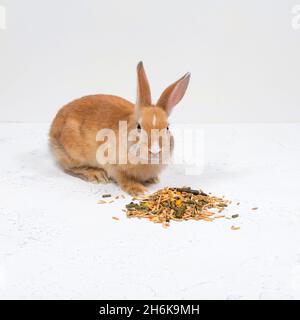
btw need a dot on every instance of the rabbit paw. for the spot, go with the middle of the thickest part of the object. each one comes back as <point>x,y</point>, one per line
<point>153,180</point>
<point>134,188</point>
<point>94,175</point>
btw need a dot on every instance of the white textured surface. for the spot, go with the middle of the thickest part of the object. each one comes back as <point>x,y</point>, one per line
<point>57,242</point>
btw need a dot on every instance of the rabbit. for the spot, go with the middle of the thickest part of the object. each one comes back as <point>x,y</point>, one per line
<point>72,135</point>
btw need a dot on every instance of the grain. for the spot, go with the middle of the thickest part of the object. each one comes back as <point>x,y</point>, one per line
<point>178,204</point>
<point>107,195</point>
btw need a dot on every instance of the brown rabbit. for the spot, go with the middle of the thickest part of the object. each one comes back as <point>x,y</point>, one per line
<point>75,127</point>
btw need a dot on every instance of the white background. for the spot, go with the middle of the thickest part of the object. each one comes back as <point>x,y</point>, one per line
<point>244,56</point>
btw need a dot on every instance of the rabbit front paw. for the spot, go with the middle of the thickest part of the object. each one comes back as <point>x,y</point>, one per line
<point>153,180</point>
<point>134,188</point>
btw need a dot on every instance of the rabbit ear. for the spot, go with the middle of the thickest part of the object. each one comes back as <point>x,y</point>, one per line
<point>143,88</point>
<point>174,93</point>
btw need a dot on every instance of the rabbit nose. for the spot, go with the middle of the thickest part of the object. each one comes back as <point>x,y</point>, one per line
<point>155,148</point>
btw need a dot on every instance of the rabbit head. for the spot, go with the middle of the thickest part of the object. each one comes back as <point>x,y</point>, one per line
<point>151,120</point>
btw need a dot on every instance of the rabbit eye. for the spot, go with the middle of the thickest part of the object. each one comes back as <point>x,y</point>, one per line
<point>139,127</point>
<point>168,127</point>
